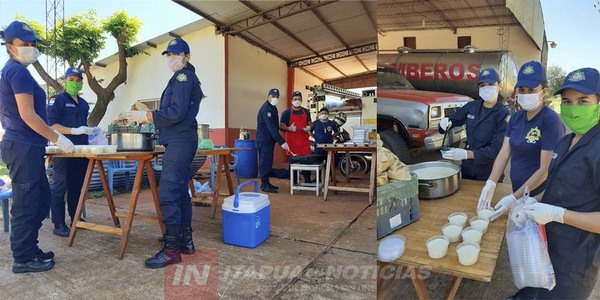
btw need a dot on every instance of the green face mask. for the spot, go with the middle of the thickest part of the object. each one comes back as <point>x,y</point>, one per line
<point>73,87</point>
<point>580,118</point>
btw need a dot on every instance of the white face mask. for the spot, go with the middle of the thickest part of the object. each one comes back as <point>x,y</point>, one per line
<point>488,93</point>
<point>175,62</point>
<point>296,103</point>
<point>529,101</point>
<point>27,55</point>
<point>274,101</point>
<point>323,117</point>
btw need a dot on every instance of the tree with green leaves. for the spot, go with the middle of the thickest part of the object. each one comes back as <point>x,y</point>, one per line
<point>77,42</point>
<point>555,75</point>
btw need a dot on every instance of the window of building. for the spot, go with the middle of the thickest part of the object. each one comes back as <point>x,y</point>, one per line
<point>410,42</point>
<point>463,41</point>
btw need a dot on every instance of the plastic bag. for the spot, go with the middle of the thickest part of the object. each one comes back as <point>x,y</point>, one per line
<point>97,137</point>
<point>205,144</point>
<point>528,249</point>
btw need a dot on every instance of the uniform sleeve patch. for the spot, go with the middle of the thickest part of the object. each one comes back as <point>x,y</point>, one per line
<point>269,114</point>
<point>182,77</point>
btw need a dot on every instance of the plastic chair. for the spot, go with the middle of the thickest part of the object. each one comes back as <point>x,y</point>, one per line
<point>116,167</point>
<point>4,198</point>
<point>214,163</point>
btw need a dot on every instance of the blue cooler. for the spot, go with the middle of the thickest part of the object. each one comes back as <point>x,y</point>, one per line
<point>246,217</point>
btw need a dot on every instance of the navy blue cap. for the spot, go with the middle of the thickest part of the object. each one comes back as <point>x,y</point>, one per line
<point>73,72</point>
<point>296,93</point>
<point>273,92</point>
<point>531,75</point>
<point>20,30</point>
<point>177,46</point>
<point>488,76</point>
<point>586,80</point>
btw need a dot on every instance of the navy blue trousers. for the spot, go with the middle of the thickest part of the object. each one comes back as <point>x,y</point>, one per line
<point>558,292</point>
<point>31,196</point>
<point>68,178</point>
<point>175,202</point>
<point>265,159</point>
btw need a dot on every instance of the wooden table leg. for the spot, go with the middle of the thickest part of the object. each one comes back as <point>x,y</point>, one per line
<point>154,189</point>
<point>373,177</point>
<point>109,198</point>
<point>333,175</point>
<point>418,283</point>
<point>382,289</point>
<point>137,184</point>
<point>348,166</point>
<point>228,174</point>
<point>454,288</point>
<point>215,200</point>
<point>327,174</point>
<point>84,191</point>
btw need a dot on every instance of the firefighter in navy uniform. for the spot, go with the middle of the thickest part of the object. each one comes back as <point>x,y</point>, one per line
<point>267,134</point>
<point>486,119</point>
<point>67,114</point>
<point>23,115</point>
<point>176,121</point>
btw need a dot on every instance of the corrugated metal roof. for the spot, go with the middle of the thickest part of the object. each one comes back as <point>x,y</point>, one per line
<point>295,30</point>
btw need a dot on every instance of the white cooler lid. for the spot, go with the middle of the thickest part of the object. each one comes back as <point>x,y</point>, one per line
<point>249,203</point>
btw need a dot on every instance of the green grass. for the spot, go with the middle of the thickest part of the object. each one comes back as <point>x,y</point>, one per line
<point>3,169</point>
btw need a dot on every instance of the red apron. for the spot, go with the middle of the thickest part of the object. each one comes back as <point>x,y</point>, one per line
<point>298,140</point>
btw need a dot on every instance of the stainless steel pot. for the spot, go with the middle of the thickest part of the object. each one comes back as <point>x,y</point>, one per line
<point>132,141</point>
<point>443,186</point>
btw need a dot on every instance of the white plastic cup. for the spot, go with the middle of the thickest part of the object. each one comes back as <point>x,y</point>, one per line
<point>452,232</point>
<point>468,253</point>
<point>459,218</point>
<point>437,246</point>
<point>485,213</point>
<point>479,223</point>
<point>471,235</point>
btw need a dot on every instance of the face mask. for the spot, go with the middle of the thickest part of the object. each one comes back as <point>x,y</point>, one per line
<point>27,55</point>
<point>323,117</point>
<point>296,103</point>
<point>488,93</point>
<point>580,118</point>
<point>274,101</point>
<point>73,87</point>
<point>529,101</point>
<point>175,62</point>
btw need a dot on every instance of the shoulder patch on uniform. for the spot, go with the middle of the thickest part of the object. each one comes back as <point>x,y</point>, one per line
<point>182,77</point>
<point>51,102</point>
<point>269,114</point>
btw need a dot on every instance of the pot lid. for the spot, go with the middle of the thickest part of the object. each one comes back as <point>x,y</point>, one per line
<point>391,248</point>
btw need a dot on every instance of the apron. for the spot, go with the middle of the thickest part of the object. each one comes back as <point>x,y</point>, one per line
<point>298,140</point>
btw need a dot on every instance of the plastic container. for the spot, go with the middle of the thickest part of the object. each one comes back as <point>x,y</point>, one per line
<point>452,231</point>
<point>246,217</point>
<point>459,218</point>
<point>468,253</point>
<point>479,223</point>
<point>110,148</point>
<point>247,159</point>
<point>397,205</point>
<point>437,246</point>
<point>485,213</point>
<point>471,235</point>
<point>391,248</point>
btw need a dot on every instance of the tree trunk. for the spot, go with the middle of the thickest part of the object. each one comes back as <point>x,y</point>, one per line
<point>47,78</point>
<point>100,108</point>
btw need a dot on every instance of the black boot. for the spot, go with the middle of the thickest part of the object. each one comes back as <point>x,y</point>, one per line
<point>34,265</point>
<point>61,230</point>
<point>169,254</point>
<point>186,244</point>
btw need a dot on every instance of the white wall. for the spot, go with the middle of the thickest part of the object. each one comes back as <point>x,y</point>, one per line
<point>484,38</point>
<point>148,76</point>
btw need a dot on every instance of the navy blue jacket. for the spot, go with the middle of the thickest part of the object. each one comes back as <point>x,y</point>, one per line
<point>267,125</point>
<point>63,110</point>
<point>574,184</point>
<point>179,106</point>
<point>484,136</point>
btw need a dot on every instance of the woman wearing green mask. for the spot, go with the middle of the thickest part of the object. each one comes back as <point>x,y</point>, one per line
<point>67,114</point>
<point>570,205</point>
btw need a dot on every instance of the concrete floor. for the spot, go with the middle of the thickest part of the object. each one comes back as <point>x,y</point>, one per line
<point>316,250</point>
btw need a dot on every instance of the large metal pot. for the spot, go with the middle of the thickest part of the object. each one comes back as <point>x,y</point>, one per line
<point>443,179</point>
<point>132,141</point>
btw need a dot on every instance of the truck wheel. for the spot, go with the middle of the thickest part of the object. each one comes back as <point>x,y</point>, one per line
<point>394,142</point>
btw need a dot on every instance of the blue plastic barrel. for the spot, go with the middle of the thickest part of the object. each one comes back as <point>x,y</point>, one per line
<point>247,159</point>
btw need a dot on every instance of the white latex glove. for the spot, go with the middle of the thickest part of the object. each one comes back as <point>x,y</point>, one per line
<point>292,128</point>
<point>64,144</point>
<point>455,154</point>
<point>82,130</point>
<point>486,195</point>
<point>445,123</point>
<point>312,149</point>
<point>307,129</point>
<point>544,213</point>
<point>285,147</point>
<point>136,116</point>
<point>503,206</point>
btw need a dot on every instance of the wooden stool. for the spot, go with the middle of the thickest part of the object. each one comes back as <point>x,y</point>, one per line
<point>295,171</point>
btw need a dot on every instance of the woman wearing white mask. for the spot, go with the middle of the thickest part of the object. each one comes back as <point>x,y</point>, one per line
<point>531,135</point>
<point>23,115</point>
<point>485,121</point>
